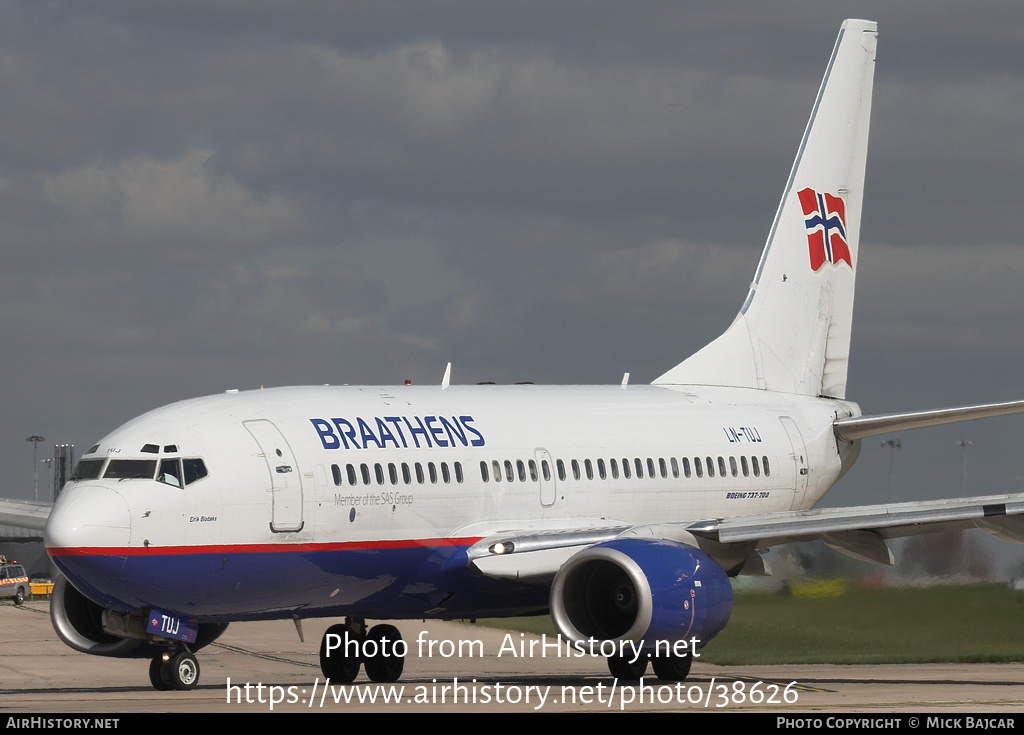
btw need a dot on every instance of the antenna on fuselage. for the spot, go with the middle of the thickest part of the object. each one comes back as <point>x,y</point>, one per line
<point>625,380</point>
<point>447,377</point>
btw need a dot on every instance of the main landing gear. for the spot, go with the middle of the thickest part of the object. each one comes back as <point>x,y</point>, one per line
<point>347,646</point>
<point>174,670</point>
<point>666,668</point>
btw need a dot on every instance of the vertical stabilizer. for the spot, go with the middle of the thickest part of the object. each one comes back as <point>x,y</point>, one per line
<point>793,332</point>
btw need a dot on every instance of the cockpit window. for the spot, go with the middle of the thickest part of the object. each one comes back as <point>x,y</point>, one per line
<point>87,469</point>
<point>170,472</point>
<point>194,469</point>
<point>181,472</point>
<point>130,469</point>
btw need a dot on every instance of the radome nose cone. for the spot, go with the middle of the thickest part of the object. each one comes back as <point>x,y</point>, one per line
<point>88,516</point>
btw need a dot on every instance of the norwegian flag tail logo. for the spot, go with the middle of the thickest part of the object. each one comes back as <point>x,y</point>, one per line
<point>826,228</point>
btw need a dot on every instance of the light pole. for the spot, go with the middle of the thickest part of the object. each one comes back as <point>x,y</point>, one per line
<point>35,439</point>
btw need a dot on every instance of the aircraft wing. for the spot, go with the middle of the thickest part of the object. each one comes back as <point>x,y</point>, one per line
<point>859,532</point>
<point>24,513</point>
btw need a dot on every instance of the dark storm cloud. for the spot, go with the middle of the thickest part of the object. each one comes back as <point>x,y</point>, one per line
<point>223,195</point>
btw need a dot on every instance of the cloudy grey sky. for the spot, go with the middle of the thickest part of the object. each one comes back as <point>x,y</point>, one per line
<point>203,196</point>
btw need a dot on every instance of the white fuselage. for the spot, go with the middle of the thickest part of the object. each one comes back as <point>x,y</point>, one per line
<point>333,469</point>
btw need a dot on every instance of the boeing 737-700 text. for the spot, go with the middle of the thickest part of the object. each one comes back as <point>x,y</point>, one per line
<point>622,510</point>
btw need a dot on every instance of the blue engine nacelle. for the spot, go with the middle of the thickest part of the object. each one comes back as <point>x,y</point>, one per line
<point>641,590</point>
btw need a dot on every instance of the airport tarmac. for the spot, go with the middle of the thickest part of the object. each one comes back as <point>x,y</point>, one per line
<point>263,666</point>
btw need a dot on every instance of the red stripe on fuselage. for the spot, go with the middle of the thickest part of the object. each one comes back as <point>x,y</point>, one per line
<point>258,548</point>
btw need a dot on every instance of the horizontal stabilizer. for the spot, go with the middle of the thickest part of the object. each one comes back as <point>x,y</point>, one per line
<point>858,427</point>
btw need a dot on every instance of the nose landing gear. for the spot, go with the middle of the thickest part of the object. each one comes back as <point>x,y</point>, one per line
<point>170,670</point>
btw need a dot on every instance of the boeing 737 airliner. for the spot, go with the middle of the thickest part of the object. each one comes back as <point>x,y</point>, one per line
<point>621,510</point>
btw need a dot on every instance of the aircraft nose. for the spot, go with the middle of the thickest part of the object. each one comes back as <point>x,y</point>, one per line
<point>88,517</point>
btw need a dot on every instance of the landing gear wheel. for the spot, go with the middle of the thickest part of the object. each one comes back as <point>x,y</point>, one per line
<point>621,668</point>
<point>672,668</point>
<point>386,666</point>
<point>19,596</point>
<point>338,666</point>
<point>158,674</point>
<point>183,671</point>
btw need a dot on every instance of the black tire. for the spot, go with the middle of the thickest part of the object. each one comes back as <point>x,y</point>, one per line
<point>672,668</point>
<point>621,668</point>
<point>158,674</point>
<point>19,596</point>
<point>385,668</point>
<point>338,667</point>
<point>183,671</point>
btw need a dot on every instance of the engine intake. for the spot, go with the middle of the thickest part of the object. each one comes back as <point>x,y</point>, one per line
<point>641,590</point>
<point>79,623</point>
